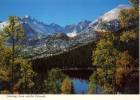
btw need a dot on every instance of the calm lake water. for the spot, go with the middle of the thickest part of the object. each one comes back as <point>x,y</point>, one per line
<point>80,80</point>
<point>80,86</point>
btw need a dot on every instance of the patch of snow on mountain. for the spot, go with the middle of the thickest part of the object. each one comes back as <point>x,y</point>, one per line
<point>72,34</point>
<point>3,24</point>
<point>26,16</point>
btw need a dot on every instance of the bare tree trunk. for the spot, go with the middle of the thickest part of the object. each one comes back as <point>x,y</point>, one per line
<point>13,60</point>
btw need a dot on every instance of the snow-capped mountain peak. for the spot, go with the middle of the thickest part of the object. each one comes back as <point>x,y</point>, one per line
<point>37,28</point>
<point>114,13</point>
<point>52,38</point>
<point>109,21</point>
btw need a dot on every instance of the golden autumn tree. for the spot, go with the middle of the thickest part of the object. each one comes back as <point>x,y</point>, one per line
<point>20,68</point>
<point>66,87</point>
<point>5,72</point>
<point>124,66</point>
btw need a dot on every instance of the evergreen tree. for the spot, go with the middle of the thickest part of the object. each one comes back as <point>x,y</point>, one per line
<point>5,74</point>
<point>128,60</point>
<point>104,57</point>
<point>14,30</point>
<point>92,84</point>
<point>21,70</point>
<point>113,66</point>
<point>124,66</point>
<point>53,83</point>
<point>24,75</point>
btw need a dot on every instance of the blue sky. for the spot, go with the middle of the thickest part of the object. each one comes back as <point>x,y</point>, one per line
<point>61,12</point>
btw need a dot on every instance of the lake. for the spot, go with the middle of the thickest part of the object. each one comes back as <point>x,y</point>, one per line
<point>80,80</point>
<point>80,86</point>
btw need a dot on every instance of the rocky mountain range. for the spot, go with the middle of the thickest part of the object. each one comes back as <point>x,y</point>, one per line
<point>54,39</point>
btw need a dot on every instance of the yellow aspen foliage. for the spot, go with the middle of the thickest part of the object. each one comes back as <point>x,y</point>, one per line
<point>66,87</point>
